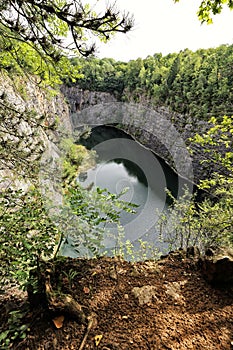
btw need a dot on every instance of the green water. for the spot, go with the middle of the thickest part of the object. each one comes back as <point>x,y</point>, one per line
<point>122,162</point>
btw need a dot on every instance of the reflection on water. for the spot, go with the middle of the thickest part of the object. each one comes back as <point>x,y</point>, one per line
<point>116,176</point>
<point>124,163</point>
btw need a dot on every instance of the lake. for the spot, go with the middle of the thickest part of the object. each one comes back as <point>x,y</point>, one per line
<point>124,163</point>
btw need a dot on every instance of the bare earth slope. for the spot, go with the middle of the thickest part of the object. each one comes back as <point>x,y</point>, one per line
<point>147,305</point>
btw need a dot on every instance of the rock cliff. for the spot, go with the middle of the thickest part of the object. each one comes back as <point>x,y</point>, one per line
<point>165,132</point>
<point>29,114</point>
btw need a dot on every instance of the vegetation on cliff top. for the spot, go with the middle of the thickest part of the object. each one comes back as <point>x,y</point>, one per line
<point>198,83</point>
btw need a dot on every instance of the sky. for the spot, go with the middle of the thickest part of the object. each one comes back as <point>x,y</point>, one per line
<point>164,27</point>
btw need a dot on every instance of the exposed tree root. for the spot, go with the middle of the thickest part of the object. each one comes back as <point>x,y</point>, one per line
<point>63,303</point>
<point>55,301</point>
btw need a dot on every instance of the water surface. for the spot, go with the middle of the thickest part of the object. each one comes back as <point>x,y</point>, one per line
<point>124,163</point>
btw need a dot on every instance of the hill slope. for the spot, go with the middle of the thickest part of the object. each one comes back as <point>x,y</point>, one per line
<point>145,305</point>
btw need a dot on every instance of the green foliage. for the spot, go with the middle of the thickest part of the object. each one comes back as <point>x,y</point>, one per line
<point>136,251</point>
<point>197,83</point>
<point>26,233</point>
<point>19,58</point>
<point>217,146</point>
<point>209,222</point>
<point>86,215</point>
<point>46,25</point>
<point>73,156</point>
<point>101,75</point>
<point>208,8</point>
<point>191,223</point>
<point>37,37</point>
<point>216,152</point>
<point>212,7</point>
<point>16,329</point>
<point>216,218</point>
<point>70,275</point>
<point>178,226</point>
<point>29,232</point>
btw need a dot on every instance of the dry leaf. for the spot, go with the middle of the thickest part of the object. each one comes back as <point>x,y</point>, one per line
<point>58,321</point>
<point>98,339</point>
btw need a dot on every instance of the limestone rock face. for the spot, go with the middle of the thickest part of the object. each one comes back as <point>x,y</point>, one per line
<point>217,266</point>
<point>29,114</point>
<point>157,128</point>
<point>80,99</point>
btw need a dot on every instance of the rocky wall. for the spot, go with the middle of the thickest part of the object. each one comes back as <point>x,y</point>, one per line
<point>164,132</point>
<point>29,116</point>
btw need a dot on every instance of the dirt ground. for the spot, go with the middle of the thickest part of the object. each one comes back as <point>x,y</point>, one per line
<point>146,305</point>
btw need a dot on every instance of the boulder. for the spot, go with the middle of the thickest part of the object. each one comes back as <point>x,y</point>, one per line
<point>217,266</point>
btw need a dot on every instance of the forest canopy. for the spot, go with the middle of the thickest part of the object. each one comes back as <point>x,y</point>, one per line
<point>196,83</point>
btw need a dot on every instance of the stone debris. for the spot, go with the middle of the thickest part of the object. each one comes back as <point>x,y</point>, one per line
<point>145,294</point>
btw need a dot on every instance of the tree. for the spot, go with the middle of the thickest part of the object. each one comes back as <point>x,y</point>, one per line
<point>217,145</point>
<point>40,37</point>
<point>216,213</point>
<point>209,222</point>
<point>35,38</point>
<point>54,28</point>
<point>208,8</point>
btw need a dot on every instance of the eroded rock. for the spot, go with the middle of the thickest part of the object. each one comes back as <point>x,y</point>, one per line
<point>173,289</point>
<point>145,294</point>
